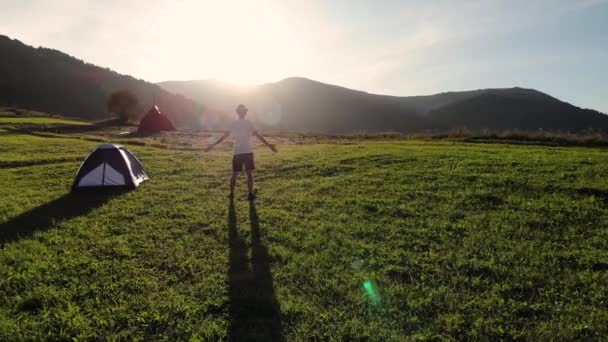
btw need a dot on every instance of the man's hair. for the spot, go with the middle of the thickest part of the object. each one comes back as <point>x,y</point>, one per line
<point>241,109</point>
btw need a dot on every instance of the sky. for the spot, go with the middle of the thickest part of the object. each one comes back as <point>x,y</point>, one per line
<point>395,47</point>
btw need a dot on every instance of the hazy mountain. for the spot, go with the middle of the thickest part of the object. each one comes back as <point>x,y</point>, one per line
<point>51,81</point>
<point>302,104</point>
<point>517,108</point>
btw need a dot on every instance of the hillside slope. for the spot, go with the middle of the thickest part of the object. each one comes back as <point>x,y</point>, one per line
<point>523,109</point>
<point>303,104</point>
<point>51,81</point>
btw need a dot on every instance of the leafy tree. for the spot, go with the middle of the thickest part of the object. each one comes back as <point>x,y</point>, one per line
<point>124,104</point>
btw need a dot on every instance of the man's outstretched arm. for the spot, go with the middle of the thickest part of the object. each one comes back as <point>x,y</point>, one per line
<point>262,139</point>
<point>219,141</point>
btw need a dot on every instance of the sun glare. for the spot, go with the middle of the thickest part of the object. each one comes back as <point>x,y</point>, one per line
<point>242,42</point>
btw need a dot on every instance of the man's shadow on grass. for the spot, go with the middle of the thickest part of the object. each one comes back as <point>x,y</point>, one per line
<point>254,310</point>
<point>63,208</point>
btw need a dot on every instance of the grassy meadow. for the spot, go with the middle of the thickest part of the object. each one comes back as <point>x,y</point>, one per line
<point>368,240</point>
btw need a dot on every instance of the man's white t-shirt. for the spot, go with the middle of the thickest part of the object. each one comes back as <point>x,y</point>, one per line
<point>241,131</point>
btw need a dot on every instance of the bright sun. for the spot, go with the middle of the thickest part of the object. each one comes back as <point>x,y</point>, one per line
<point>243,42</point>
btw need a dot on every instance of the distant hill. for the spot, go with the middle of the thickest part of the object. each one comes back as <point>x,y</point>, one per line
<point>517,108</point>
<point>51,81</point>
<point>303,104</point>
<point>300,104</point>
<point>54,82</point>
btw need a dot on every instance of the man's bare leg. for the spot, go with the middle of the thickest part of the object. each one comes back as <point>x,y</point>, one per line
<point>235,174</point>
<point>250,182</point>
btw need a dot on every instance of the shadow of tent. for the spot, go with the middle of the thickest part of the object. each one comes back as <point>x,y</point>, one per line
<point>63,208</point>
<point>254,311</point>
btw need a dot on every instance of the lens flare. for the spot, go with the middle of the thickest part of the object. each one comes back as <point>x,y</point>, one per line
<point>267,110</point>
<point>371,294</point>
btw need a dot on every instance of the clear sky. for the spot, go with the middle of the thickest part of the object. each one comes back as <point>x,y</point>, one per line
<point>396,47</point>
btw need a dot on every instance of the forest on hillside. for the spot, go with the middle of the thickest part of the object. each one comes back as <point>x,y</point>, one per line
<point>54,82</point>
<point>51,81</point>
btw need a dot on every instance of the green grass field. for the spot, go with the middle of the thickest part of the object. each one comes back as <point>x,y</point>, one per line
<point>363,240</point>
<point>40,121</point>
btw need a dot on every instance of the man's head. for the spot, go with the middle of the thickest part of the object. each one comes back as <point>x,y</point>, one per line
<point>241,110</point>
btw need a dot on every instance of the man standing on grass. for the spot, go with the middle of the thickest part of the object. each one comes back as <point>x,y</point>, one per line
<point>241,130</point>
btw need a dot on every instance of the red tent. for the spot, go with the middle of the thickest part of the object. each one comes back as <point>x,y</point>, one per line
<point>154,122</point>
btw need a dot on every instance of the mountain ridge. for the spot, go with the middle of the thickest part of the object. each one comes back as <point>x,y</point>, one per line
<point>51,81</point>
<point>304,79</point>
<point>318,101</point>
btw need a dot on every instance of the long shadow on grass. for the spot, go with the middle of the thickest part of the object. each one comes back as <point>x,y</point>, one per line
<point>43,217</point>
<point>254,311</point>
